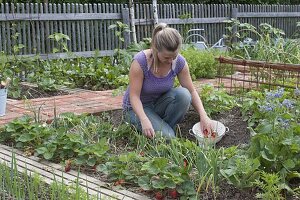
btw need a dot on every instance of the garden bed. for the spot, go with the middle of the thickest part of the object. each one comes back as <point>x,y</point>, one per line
<point>120,156</point>
<point>238,135</point>
<point>31,91</point>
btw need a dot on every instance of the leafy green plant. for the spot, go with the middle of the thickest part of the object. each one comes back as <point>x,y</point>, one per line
<point>208,165</point>
<point>202,64</point>
<point>186,25</point>
<point>270,185</point>
<point>276,140</point>
<point>250,107</point>
<point>61,41</point>
<point>160,174</point>
<point>92,154</point>
<point>270,45</point>
<point>13,66</point>
<point>125,167</point>
<point>241,171</point>
<point>216,100</point>
<point>48,84</point>
<point>120,28</point>
<point>25,133</point>
<point>128,53</point>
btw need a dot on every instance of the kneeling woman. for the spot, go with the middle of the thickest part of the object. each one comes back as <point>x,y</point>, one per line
<point>151,103</point>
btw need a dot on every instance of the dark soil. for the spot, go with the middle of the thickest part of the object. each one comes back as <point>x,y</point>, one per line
<point>31,92</point>
<point>238,133</point>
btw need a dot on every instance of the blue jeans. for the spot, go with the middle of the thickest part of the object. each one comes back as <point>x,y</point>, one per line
<point>165,113</point>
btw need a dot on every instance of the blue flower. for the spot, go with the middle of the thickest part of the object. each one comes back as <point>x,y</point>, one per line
<point>287,103</point>
<point>267,107</point>
<point>275,94</point>
<point>297,92</point>
<point>284,122</point>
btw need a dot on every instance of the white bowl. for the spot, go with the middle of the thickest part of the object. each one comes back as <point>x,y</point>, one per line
<point>217,126</point>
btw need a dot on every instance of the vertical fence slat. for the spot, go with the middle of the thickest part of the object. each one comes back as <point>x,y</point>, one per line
<point>55,24</point>
<point>37,27</point>
<point>66,25</point>
<point>28,32</point>
<point>51,27</point>
<point>91,28</point>
<point>108,32</point>
<point>60,23</point>
<point>33,31</point>
<point>87,29</point>
<point>105,26</point>
<point>101,32</point>
<point>19,31</point>
<point>7,26</point>
<point>78,30</point>
<point>114,40</point>
<point>96,29</point>
<point>47,30</point>
<point>140,30</point>
<point>42,23</point>
<point>73,29</point>
<point>147,16</point>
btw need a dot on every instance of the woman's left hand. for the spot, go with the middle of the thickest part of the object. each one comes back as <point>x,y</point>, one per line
<point>205,125</point>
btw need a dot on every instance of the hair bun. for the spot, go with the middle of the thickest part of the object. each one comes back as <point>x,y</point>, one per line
<point>159,27</point>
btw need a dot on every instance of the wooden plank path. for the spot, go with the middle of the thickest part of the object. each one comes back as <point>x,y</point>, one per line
<point>51,171</point>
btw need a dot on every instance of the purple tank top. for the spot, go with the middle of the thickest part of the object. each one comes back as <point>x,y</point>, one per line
<point>153,87</point>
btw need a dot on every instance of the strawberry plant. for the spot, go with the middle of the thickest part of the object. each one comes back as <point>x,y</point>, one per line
<point>126,166</point>
<point>61,145</point>
<point>15,126</point>
<point>160,174</point>
<point>216,100</point>
<point>93,154</point>
<point>25,133</point>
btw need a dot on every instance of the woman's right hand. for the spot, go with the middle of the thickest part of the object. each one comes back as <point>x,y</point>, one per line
<point>147,128</point>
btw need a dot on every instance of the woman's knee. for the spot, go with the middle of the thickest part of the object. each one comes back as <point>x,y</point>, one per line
<point>183,95</point>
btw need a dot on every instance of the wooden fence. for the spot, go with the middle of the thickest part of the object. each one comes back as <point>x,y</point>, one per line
<point>87,25</point>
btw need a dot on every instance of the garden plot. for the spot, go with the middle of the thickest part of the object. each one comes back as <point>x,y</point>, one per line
<point>32,91</point>
<point>239,166</point>
<point>238,135</point>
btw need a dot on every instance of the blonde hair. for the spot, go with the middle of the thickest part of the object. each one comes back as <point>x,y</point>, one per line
<point>164,37</point>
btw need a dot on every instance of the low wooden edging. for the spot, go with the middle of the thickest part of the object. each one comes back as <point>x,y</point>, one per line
<point>51,171</point>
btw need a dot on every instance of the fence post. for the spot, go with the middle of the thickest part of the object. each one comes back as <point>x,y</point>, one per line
<point>155,14</point>
<point>132,22</point>
<point>125,17</point>
<point>234,12</point>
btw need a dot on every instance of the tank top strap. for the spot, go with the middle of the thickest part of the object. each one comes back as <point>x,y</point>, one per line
<point>178,64</point>
<point>141,58</point>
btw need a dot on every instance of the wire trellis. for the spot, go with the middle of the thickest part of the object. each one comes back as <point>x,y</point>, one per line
<point>237,75</point>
